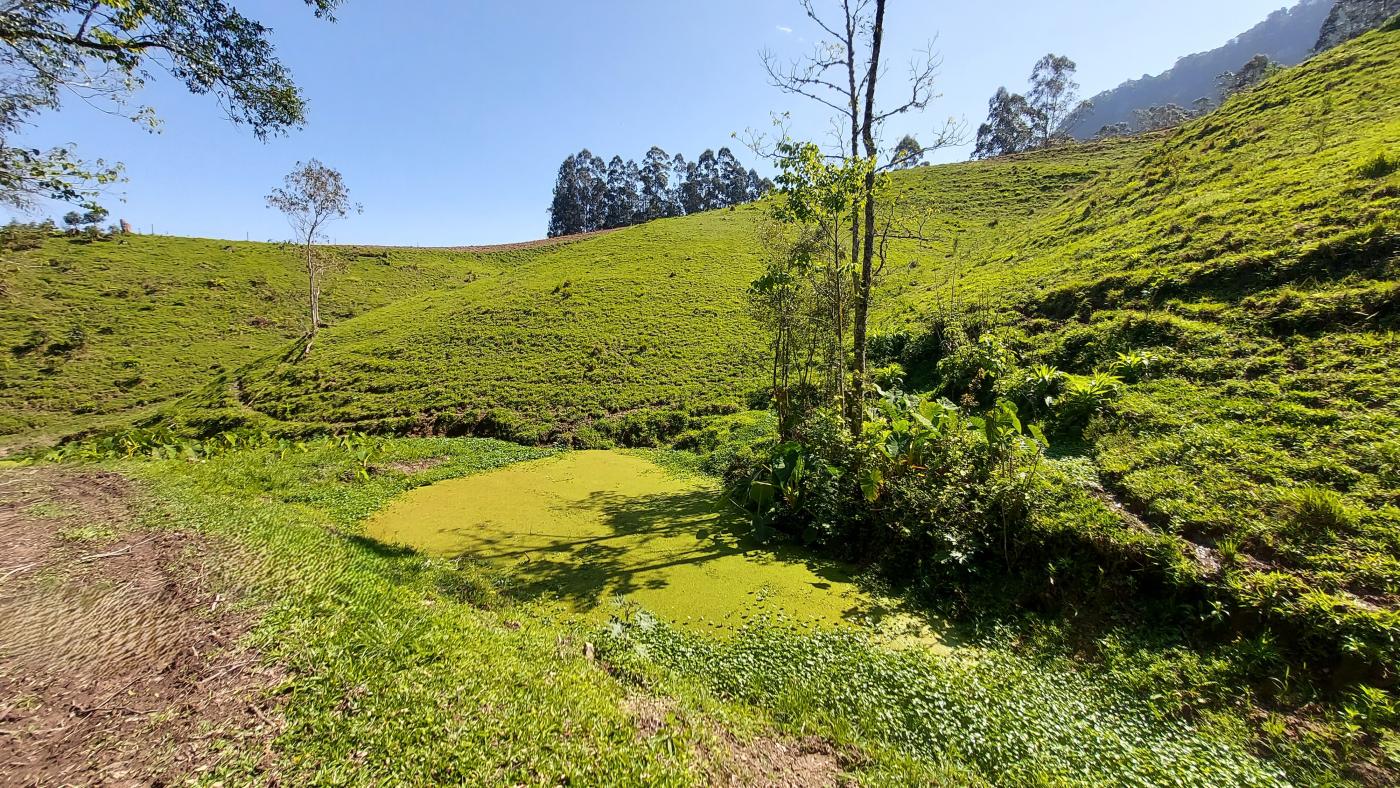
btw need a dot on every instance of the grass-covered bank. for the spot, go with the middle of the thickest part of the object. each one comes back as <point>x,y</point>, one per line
<point>412,670</point>
<point>105,330</point>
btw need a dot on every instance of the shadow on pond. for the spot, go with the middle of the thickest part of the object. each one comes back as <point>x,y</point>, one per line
<point>588,528</point>
<point>687,547</point>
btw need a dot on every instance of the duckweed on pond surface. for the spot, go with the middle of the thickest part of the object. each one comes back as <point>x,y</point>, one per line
<point>589,526</point>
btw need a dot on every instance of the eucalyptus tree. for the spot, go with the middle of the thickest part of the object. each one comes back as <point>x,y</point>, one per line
<point>1052,97</point>
<point>655,177</point>
<point>102,52</point>
<point>1009,127</point>
<point>908,153</point>
<point>621,197</point>
<point>311,196</point>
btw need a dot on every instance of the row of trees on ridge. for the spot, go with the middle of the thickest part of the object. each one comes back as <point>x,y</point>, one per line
<point>1017,123</point>
<point>592,195</point>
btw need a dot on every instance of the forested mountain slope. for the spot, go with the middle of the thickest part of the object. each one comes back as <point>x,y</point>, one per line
<point>1287,36</point>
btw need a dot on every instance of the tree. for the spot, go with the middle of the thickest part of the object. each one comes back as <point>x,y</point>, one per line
<point>680,174</point>
<point>1052,96</point>
<point>1114,130</point>
<point>908,153</point>
<point>733,180</point>
<point>1162,116</point>
<point>90,218</point>
<point>1008,128</point>
<point>102,52</point>
<point>758,186</point>
<point>566,208</point>
<point>655,178</point>
<point>621,199</point>
<point>708,186</point>
<point>311,196</point>
<point>843,74</point>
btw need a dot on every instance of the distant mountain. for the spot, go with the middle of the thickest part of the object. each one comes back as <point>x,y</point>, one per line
<point>1351,18</point>
<point>1287,36</point>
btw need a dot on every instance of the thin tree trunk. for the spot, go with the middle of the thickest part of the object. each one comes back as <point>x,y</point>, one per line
<point>313,293</point>
<point>867,262</point>
<point>850,398</point>
<point>313,289</point>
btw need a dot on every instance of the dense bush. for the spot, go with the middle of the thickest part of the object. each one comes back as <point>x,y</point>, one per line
<point>927,488</point>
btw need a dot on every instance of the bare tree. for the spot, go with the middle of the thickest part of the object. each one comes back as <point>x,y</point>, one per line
<point>842,74</point>
<point>312,195</point>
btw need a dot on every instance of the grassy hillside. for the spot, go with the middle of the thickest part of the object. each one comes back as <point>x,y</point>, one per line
<point>103,330</point>
<point>1256,254</point>
<point>620,338</point>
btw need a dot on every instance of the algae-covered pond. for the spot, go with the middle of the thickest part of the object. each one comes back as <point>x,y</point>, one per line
<point>590,526</point>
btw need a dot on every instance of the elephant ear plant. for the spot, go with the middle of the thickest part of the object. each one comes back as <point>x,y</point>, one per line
<point>923,479</point>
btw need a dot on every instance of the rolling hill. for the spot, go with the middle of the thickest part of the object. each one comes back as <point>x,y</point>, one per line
<point>99,332</point>
<point>1252,253</point>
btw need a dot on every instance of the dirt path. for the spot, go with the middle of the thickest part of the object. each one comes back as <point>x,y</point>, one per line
<point>120,661</point>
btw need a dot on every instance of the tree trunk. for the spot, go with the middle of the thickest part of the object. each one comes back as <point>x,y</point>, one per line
<point>867,258</point>
<point>851,398</point>
<point>313,291</point>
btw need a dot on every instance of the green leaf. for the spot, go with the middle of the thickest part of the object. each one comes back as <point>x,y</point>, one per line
<point>870,481</point>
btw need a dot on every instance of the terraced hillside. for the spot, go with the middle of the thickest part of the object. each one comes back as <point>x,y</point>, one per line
<point>96,332</point>
<point>642,327</point>
<point>1253,257</point>
<point>624,338</point>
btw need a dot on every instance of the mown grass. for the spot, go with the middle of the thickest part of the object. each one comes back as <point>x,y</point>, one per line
<point>409,670</point>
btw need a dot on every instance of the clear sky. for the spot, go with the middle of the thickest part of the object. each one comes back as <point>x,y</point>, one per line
<point>449,118</point>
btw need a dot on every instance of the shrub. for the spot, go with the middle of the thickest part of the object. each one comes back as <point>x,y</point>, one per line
<point>1378,166</point>
<point>971,371</point>
<point>890,376</point>
<point>22,236</point>
<point>1085,397</point>
<point>1134,366</point>
<point>926,489</point>
<point>885,348</point>
<point>1319,511</point>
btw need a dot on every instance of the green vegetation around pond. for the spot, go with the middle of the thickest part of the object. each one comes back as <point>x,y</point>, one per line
<point>407,669</point>
<point>591,527</point>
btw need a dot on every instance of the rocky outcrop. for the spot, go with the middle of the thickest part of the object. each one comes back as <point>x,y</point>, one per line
<point>1351,18</point>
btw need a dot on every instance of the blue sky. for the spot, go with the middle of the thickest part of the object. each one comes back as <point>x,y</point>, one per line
<point>449,118</point>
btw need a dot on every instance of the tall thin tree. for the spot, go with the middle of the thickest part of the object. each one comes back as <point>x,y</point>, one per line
<point>842,74</point>
<point>311,196</point>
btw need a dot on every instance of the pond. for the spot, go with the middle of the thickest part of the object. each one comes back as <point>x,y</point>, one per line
<point>590,527</point>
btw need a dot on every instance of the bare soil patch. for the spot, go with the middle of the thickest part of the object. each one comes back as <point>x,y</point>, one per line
<point>763,762</point>
<point>410,467</point>
<point>120,661</point>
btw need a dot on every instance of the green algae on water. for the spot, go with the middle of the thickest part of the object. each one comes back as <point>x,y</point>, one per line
<point>592,526</point>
